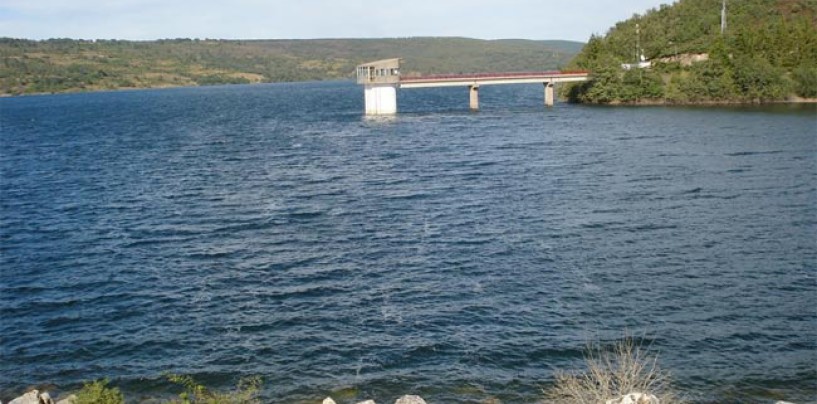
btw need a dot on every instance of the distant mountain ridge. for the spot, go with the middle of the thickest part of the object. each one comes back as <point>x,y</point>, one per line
<point>63,65</point>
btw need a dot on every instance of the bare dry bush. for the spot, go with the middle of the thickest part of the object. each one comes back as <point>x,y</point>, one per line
<point>613,372</point>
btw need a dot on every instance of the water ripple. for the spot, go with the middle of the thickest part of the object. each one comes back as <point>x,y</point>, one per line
<point>230,231</point>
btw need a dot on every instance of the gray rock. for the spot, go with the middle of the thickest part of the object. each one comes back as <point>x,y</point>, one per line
<point>410,400</point>
<point>24,399</point>
<point>33,397</point>
<point>328,400</point>
<point>367,402</point>
<point>635,398</point>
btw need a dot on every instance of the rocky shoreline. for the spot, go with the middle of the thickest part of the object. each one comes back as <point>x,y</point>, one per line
<point>37,397</point>
<point>712,103</point>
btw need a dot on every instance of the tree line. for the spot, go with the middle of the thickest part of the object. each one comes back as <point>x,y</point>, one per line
<point>767,52</point>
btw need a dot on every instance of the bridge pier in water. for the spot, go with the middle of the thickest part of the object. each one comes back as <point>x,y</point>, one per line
<point>549,94</point>
<point>473,90</point>
<point>380,99</point>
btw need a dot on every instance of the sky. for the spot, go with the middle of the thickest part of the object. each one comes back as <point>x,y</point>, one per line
<point>285,19</point>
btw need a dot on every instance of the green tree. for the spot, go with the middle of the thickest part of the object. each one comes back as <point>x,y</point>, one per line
<point>757,80</point>
<point>604,87</point>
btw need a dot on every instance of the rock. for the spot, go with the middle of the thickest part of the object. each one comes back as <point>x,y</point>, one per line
<point>783,402</point>
<point>635,398</point>
<point>33,397</point>
<point>410,400</point>
<point>328,400</point>
<point>367,402</point>
<point>45,398</point>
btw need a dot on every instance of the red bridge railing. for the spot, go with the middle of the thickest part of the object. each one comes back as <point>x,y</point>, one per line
<point>491,75</point>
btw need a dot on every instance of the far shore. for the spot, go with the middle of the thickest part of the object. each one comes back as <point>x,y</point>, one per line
<point>791,99</point>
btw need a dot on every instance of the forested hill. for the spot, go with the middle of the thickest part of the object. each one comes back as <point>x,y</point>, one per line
<point>768,52</point>
<point>60,65</point>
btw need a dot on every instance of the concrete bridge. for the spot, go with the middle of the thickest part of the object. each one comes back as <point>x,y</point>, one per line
<point>381,79</point>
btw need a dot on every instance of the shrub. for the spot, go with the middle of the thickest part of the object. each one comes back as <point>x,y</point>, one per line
<point>98,392</point>
<point>806,79</point>
<point>758,80</point>
<point>611,373</point>
<point>194,393</point>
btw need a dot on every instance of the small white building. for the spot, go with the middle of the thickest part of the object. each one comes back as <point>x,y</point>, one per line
<point>380,80</point>
<point>643,64</point>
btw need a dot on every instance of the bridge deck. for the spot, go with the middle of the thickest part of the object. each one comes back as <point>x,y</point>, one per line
<point>442,80</point>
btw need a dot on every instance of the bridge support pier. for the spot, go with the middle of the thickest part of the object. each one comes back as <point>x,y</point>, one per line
<point>549,95</point>
<point>380,99</point>
<point>474,101</point>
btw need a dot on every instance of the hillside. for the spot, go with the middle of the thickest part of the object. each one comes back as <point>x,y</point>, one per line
<point>61,65</point>
<point>768,52</point>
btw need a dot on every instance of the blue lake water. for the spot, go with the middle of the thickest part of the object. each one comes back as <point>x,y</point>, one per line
<point>273,230</point>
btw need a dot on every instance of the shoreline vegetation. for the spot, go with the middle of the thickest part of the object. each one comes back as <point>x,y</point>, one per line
<point>680,54</point>
<point>624,372</point>
<point>619,372</point>
<point>651,102</point>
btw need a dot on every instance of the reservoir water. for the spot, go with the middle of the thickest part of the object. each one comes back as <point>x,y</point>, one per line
<point>273,230</point>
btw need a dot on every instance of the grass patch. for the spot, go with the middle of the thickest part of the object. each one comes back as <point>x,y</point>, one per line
<point>246,392</point>
<point>98,392</point>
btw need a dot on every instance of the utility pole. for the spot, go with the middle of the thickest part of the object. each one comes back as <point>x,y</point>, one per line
<point>723,17</point>
<point>638,54</point>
